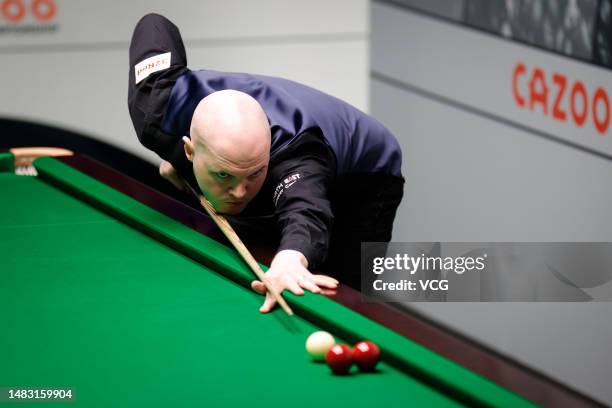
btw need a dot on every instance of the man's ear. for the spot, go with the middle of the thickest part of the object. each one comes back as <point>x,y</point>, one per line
<point>188,145</point>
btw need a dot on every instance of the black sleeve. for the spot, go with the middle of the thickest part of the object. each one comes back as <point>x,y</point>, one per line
<point>153,36</point>
<point>302,175</point>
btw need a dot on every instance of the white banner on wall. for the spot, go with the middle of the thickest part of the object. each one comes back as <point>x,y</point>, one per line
<point>35,22</point>
<point>563,98</point>
<point>65,62</point>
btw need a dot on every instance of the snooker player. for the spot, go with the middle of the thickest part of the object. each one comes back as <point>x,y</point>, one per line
<point>260,147</point>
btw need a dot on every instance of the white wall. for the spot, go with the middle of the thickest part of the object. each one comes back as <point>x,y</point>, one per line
<point>75,77</point>
<point>479,168</point>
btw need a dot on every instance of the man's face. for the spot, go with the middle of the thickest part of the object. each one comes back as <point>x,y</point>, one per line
<point>229,186</point>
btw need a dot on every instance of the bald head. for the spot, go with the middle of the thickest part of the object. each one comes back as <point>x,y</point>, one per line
<point>232,125</point>
<point>229,146</point>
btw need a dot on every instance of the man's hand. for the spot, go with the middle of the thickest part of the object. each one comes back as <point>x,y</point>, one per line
<point>167,171</point>
<point>288,270</point>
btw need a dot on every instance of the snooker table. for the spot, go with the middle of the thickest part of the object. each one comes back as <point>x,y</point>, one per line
<point>135,300</point>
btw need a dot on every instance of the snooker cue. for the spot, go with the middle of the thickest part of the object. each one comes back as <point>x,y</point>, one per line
<point>229,232</point>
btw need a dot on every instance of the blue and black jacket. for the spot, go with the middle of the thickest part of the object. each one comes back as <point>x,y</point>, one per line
<point>317,139</point>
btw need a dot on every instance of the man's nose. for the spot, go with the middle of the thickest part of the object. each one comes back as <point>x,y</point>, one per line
<point>239,191</point>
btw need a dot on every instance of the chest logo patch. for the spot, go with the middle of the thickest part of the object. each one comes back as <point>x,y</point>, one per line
<point>284,185</point>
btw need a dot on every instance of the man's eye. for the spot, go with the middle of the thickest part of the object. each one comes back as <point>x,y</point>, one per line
<point>222,175</point>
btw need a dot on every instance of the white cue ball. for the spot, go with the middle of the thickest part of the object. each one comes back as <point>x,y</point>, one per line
<point>318,343</point>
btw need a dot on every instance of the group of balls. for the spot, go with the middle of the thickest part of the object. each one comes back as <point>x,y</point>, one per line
<point>340,357</point>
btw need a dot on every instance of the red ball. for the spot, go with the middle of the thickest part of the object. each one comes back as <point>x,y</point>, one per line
<point>339,358</point>
<point>366,354</point>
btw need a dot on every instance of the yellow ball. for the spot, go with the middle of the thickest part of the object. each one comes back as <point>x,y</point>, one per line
<point>318,343</point>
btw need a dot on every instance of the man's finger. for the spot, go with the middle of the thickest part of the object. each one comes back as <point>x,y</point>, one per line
<point>295,288</point>
<point>268,304</point>
<point>325,281</point>
<point>328,292</point>
<point>310,285</point>
<point>327,278</point>
<point>258,287</point>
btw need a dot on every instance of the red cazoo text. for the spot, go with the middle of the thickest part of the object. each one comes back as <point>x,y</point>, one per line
<point>532,87</point>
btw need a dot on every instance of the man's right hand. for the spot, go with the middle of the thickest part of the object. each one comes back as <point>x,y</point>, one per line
<point>167,171</point>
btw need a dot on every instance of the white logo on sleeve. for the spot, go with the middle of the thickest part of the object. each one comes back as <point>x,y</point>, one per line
<point>152,64</point>
<point>284,185</point>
